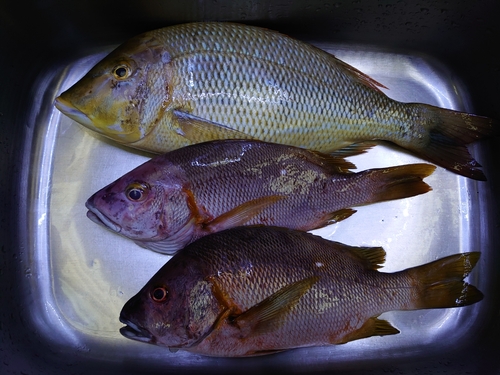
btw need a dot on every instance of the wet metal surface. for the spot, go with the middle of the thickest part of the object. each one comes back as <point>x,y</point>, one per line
<point>85,273</point>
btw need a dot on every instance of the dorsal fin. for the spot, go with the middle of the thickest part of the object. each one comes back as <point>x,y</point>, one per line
<point>374,257</point>
<point>335,161</point>
<point>361,77</point>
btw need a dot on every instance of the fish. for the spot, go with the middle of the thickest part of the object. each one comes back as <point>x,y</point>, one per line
<point>196,82</point>
<point>175,198</point>
<point>257,290</point>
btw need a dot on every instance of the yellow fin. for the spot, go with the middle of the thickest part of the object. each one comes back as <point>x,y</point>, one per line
<point>334,161</point>
<point>351,150</point>
<point>372,327</point>
<point>440,283</point>
<point>337,216</point>
<point>400,182</point>
<point>198,130</point>
<point>242,214</point>
<point>449,132</point>
<point>270,311</point>
<point>361,77</point>
<point>373,257</point>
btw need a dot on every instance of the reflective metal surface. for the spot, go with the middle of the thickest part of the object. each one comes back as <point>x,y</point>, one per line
<point>65,278</point>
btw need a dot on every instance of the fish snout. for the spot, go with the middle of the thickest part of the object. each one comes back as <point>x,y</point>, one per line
<point>66,107</point>
<point>98,217</point>
<point>132,329</point>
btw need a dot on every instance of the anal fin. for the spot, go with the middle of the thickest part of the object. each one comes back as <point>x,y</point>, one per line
<point>372,327</point>
<point>337,216</point>
<point>353,149</point>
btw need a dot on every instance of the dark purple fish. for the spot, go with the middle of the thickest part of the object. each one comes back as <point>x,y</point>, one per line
<point>258,290</point>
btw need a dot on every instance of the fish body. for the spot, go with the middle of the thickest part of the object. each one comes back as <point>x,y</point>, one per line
<point>175,198</point>
<point>196,82</point>
<point>259,290</point>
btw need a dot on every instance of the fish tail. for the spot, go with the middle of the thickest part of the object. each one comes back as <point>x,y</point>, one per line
<point>448,133</point>
<point>399,182</point>
<point>440,284</point>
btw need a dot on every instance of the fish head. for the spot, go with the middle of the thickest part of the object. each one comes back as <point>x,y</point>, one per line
<point>146,204</point>
<point>122,97</point>
<point>175,309</point>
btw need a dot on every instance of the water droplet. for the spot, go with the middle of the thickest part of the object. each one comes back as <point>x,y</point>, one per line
<point>96,264</point>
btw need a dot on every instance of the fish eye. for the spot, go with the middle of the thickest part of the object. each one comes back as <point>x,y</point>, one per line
<point>159,294</point>
<point>121,71</point>
<point>136,192</point>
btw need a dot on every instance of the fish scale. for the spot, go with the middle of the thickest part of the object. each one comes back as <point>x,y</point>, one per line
<point>256,59</point>
<point>199,82</point>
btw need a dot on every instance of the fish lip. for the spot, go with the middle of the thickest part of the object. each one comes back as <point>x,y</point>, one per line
<point>134,332</point>
<point>72,112</point>
<point>99,218</point>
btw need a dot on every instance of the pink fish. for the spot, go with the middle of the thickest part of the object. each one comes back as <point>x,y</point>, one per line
<point>173,199</point>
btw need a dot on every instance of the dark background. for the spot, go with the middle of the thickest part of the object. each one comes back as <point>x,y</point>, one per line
<point>36,35</point>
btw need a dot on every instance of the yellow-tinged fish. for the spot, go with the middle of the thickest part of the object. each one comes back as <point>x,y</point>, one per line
<point>197,82</point>
<point>258,290</point>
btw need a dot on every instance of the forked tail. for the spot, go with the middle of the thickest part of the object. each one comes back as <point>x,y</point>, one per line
<point>448,134</point>
<point>440,284</point>
<point>399,182</point>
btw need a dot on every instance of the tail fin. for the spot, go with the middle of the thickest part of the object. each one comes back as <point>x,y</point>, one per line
<point>449,133</point>
<point>400,182</point>
<point>440,284</point>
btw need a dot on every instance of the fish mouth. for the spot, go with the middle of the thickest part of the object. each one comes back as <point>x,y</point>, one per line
<point>99,218</point>
<point>112,130</point>
<point>72,112</point>
<point>134,332</point>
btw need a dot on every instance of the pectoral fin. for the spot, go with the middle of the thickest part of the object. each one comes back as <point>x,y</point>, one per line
<point>270,311</point>
<point>242,213</point>
<point>198,129</point>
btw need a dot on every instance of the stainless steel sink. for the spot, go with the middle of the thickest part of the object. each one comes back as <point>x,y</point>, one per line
<point>64,279</point>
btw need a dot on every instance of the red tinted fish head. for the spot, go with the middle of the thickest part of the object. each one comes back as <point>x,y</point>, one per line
<point>176,308</point>
<point>140,205</point>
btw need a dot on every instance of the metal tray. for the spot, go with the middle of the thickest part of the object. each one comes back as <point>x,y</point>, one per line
<point>84,273</point>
